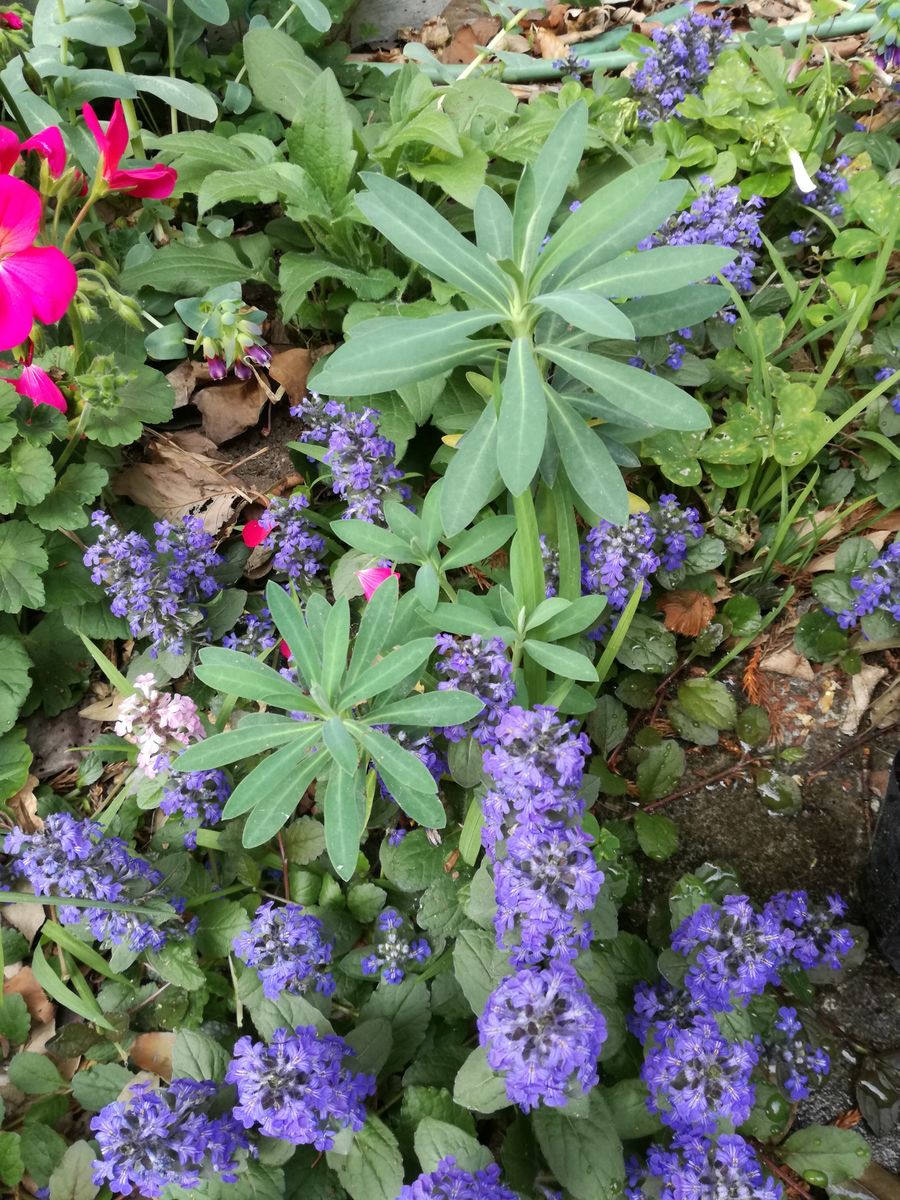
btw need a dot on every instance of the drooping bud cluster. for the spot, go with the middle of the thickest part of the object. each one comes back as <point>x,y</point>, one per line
<point>229,332</point>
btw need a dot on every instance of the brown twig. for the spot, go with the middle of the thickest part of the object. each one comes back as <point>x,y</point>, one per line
<point>859,740</point>
<point>636,720</point>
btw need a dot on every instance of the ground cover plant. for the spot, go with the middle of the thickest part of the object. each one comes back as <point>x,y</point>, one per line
<point>333,850</point>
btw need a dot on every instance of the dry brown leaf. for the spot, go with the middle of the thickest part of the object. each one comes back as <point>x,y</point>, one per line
<point>27,918</point>
<point>862,685</point>
<point>24,806</point>
<point>434,35</point>
<point>826,562</point>
<point>686,611</point>
<point>229,408</point>
<point>185,378</point>
<point>788,662</point>
<point>878,1183</point>
<point>549,45</point>
<point>24,984</point>
<point>175,481</point>
<point>153,1052</point>
<point>103,710</point>
<point>463,48</point>
<point>291,367</point>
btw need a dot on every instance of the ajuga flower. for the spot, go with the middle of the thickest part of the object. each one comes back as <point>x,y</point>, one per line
<point>616,559</point>
<point>253,634</point>
<point>297,1087</point>
<point>197,797</point>
<point>877,588</point>
<point>153,720</point>
<point>703,1168</point>
<point>797,1064</point>
<point>735,952</point>
<point>288,949</point>
<point>544,1032</point>
<point>471,664</point>
<point>680,62</point>
<point>297,549</point>
<point>393,949</point>
<point>809,935</point>
<point>154,1139</point>
<point>450,1182</point>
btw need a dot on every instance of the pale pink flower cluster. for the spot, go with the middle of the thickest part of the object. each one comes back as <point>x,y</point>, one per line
<point>152,719</point>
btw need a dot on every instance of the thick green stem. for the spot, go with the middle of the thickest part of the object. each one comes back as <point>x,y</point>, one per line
<point>131,119</point>
<point>170,48</point>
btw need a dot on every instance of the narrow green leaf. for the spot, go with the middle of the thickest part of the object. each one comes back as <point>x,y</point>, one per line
<point>451,707</point>
<point>344,820</point>
<point>251,737</point>
<point>412,225</point>
<point>315,13</point>
<point>377,618</point>
<point>277,805</point>
<point>637,393</point>
<point>493,224</point>
<point>477,543</point>
<point>522,424</point>
<point>289,621</point>
<point>363,535</point>
<point>567,663</point>
<point>593,314</point>
<point>650,272</point>
<point>652,315</point>
<point>52,984</point>
<point>548,177</point>
<point>390,670</point>
<point>406,776</point>
<point>80,950</point>
<point>340,745</point>
<point>428,586</point>
<point>581,613</point>
<point>115,677</point>
<point>238,674</point>
<point>589,465</point>
<point>472,474</point>
<point>335,646</point>
<point>275,772</point>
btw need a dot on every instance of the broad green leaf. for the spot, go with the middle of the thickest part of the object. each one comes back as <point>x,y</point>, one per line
<point>522,424</point>
<point>450,707</point>
<point>388,671</point>
<point>392,351</point>
<point>659,770</point>
<point>709,702</point>
<point>635,392</point>
<point>371,1041</point>
<point>580,615</point>
<point>344,820</point>
<point>466,619</point>
<point>289,620</point>
<point>428,586</point>
<point>252,737</point>
<point>373,1167</point>
<point>14,680</point>
<point>27,478</point>
<point>278,71</point>
<point>479,965</point>
<point>274,809</point>
<point>189,98</point>
<point>12,1167</point>
<point>274,772</point>
<point>316,14</point>
<point>601,216</point>
<point>195,1055</point>
<point>678,309</point>
<point>567,663</point>
<point>100,1085</point>
<point>335,646</point>
<point>34,1074</point>
<point>238,674</point>
<point>657,836</point>
<point>650,272</point>
<point>42,1150</point>
<point>627,1103</point>
<point>589,465</point>
<point>478,1087</point>
<point>605,228</point>
<point>15,1019</point>
<point>63,508</point>
<point>298,273</point>
<point>73,1178</point>
<point>477,543</point>
<point>415,863</point>
<point>493,224</point>
<point>584,1153</point>
<point>214,12</point>
<point>435,1140</point>
<point>412,225</point>
<point>374,627</point>
<point>594,314</point>
<point>95,22</point>
<point>824,1154</point>
<point>304,841</point>
<point>22,561</point>
<point>544,183</point>
<point>471,475</point>
<point>262,185</point>
<point>219,923</point>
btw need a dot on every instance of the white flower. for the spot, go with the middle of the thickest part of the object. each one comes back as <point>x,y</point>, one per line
<point>801,175</point>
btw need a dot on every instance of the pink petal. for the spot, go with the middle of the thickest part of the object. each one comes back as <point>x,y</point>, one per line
<point>156,183</point>
<point>50,145</point>
<point>372,579</point>
<point>20,214</point>
<point>285,649</point>
<point>116,139</point>
<point>255,532</point>
<point>36,383</point>
<point>90,119</point>
<point>12,20</point>
<point>9,150</point>
<point>49,277</point>
<point>16,312</point>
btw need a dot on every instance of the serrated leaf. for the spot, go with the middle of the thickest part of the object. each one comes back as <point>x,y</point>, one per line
<point>584,1153</point>
<point>64,506</point>
<point>657,836</point>
<point>373,1168</point>
<point>435,1140</point>
<point>196,1056</point>
<point>709,702</point>
<point>98,1086</point>
<point>27,477</point>
<point>22,562</point>
<point>659,770</point>
<point>73,1178</point>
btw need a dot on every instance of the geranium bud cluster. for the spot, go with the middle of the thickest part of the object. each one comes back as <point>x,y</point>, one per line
<point>877,589</point>
<point>617,559</point>
<point>155,1139</point>
<point>717,217</point>
<point>288,950</point>
<point>696,1074</point>
<point>471,664</point>
<point>160,589</point>
<point>363,472</point>
<point>683,55</point>
<point>393,949</point>
<point>195,797</point>
<point>297,1087</point>
<point>540,1026</point>
<point>75,860</point>
<point>154,720</point>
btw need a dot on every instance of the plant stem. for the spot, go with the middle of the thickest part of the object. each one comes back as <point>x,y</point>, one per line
<point>278,24</point>
<point>74,439</point>
<point>131,119</point>
<point>170,49</point>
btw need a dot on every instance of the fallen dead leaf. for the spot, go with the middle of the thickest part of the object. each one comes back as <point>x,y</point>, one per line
<point>153,1052</point>
<point>185,378</point>
<point>788,662</point>
<point>291,367</point>
<point>24,807</point>
<point>826,562</point>
<point>862,685</point>
<point>229,408</point>
<point>103,710</point>
<point>463,48</point>
<point>27,918</point>
<point>686,611</point>
<point>878,1183</point>
<point>434,35</point>
<point>550,45</point>
<point>24,984</point>
<point>175,481</point>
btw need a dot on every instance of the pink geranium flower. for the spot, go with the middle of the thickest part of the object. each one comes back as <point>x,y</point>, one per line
<point>36,282</point>
<point>156,182</point>
<point>37,384</point>
<point>372,579</point>
<point>255,532</point>
<point>48,144</point>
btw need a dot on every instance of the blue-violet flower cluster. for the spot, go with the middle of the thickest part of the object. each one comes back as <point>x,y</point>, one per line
<point>288,949</point>
<point>680,62</point>
<point>297,549</point>
<point>450,1182</point>
<point>393,949</point>
<point>161,589</point>
<point>253,634</point>
<point>877,589</point>
<point>471,664</point>
<point>197,797</point>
